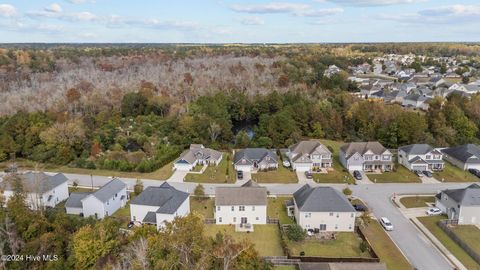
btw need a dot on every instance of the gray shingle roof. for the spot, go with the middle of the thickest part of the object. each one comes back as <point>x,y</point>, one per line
<point>197,151</point>
<point>416,149</point>
<point>167,198</point>
<point>307,148</point>
<point>37,182</point>
<point>465,196</point>
<point>240,196</point>
<point>150,217</point>
<point>254,154</point>
<point>321,199</point>
<point>109,190</point>
<point>468,153</point>
<point>75,199</point>
<point>362,147</point>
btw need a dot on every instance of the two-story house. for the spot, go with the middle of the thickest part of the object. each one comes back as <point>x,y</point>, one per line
<point>157,205</point>
<point>241,205</point>
<point>101,203</point>
<point>197,154</point>
<point>309,156</point>
<point>322,209</point>
<point>253,159</point>
<point>420,157</point>
<point>41,190</point>
<point>366,156</point>
<point>461,204</point>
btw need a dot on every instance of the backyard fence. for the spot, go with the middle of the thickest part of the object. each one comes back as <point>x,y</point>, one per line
<point>445,226</point>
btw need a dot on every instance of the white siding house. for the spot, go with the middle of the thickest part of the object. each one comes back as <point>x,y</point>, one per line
<point>42,190</point>
<point>157,205</point>
<point>420,157</point>
<point>254,159</point>
<point>309,156</point>
<point>366,156</point>
<point>323,209</point>
<point>241,205</point>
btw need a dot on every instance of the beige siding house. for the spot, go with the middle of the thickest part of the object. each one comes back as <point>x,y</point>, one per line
<point>309,156</point>
<point>197,155</point>
<point>323,209</point>
<point>241,205</point>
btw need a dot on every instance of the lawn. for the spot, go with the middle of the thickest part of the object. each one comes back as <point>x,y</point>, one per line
<point>202,206</point>
<point>223,173</point>
<point>470,235</point>
<point>285,267</point>
<point>452,173</point>
<point>78,189</point>
<point>345,245</point>
<point>416,201</point>
<point>338,175</point>
<point>276,209</point>
<point>386,250</point>
<point>280,175</point>
<point>399,175</point>
<point>123,215</point>
<point>456,250</point>
<point>266,238</point>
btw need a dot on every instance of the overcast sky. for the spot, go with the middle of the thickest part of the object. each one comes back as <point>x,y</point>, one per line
<point>246,21</point>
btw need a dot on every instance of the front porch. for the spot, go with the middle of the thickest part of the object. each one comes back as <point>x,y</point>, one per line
<point>377,168</point>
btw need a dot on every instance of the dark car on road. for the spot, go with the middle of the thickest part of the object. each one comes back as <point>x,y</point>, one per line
<point>474,172</point>
<point>240,175</point>
<point>360,207</point>
<point>308,175</point>
<point>357,175</point>
<point>418,173</point>
<point>427,173</point>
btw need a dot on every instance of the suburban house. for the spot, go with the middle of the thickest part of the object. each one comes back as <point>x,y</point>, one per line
<point>332,70</point>
<point>416,101</point>
<point>322,209</point>
<point>461,204</point>
<point>197,155</point>
<point>241,205</point>
<point>41,190</point>
<point>157,205</point>
<point>420,157</point>
<point>101,203</point>
<point>464,156</point>
<point>366,156</point>
<point>309,156</point>
<point>253,159</point>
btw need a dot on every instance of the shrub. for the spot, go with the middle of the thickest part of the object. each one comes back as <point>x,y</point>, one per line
<point>199,191</point>
<point>296,233</point>
<point>364,246</point>
<point>347,191</point>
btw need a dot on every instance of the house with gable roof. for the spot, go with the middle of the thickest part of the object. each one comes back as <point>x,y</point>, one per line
<point>254,159</point>
<point>366,156</point>
<point>197,154</point>
<point>461,204</point>
<point>421,157</point>
<point>465,156</point>
<point>309,155</point>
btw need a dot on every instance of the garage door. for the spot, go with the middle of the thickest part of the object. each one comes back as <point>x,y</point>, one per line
<point>355,167</point>
<point>302,167</point>
<point>419,168</point>
<point>473,166</point>
<point>243,168</point>
<point>183,167</point>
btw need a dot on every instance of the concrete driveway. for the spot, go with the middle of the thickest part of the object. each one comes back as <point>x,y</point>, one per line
<point>302,178</point>
<point>177,177</point>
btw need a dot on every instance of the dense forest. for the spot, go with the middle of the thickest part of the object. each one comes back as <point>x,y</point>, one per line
<point>136,108</point>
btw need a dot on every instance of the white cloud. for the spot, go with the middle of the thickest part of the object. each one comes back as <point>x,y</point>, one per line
<point>81,1</point>
<point>274,7</point>
<point>320,12</point>
<point>252,21</point>
<point>56,8</point>
<point>77,16</point>
<point>371,2</point>
<point>454,14</point>
<point>455,10</point>
<point>7,10</point>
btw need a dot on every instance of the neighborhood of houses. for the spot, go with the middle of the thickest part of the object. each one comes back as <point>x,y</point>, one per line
<point>391,79</point>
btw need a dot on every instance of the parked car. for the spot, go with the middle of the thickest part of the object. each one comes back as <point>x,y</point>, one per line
<point>309,175</point>
<point>434,211</point>
<point>360,207</point>
<point>427,173</point>
<point>240,175</point>
<point>357,175</point>
<point>418,173</point>
<point>386,224</point>
<point>130,224</point>
<point>286,163</point>
<point>474,172</point>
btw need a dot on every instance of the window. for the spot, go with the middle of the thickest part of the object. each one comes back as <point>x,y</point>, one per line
<point>134,218</point>
<point>108,203</point>
<point>253,208</point>
<point>257,218</point>
<point>241,208</point>
<point>218,208</point>
<point>106,213</point>
<point>233,208</point>
<point>429,157</point>
<point>307,215</point>
<point>323,227</point>
<point>336,226</point>
<point>338,215</point>
<point>350,226</point>
<point>220,220</point>
<point>234,219</point>
<point>352,215</point>
<point>331,214</point>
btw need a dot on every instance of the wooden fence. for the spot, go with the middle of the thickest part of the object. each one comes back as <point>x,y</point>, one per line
<point>445,226</point>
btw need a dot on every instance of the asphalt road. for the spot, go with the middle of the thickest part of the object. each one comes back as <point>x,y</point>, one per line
<point>418,250</point>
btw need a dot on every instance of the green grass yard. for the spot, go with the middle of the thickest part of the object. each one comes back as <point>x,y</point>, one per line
<point>202,206</point>
<point>280,175</point>
<point>417,201</point>
<point>345,245</point>
<point>452,173</point>
<point>386,250</point>
<point>123,215</point>
<point>266,238</point>
<point>276,209</point>
<point>339,174</point>
<point>470,234</point>
<point>432,225</point>
<point>215,174</point>
<point>400,174</point>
